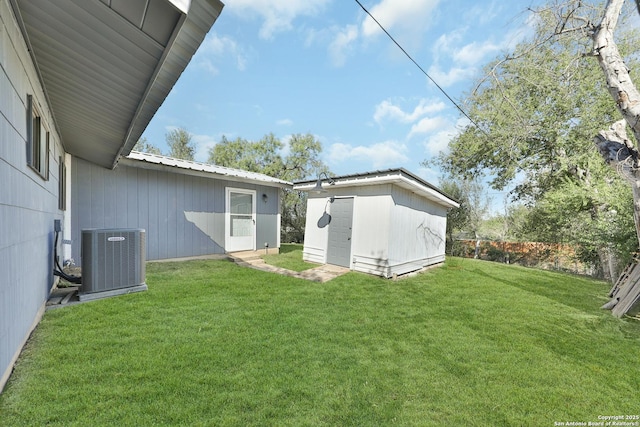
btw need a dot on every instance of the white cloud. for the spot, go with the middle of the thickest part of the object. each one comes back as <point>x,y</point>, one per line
<point>483,13</point>
<point>406,20</point>
<point>406,16</point>
<point>446,44</point>
<point>439,142</point>
<point>451,77</point>
<point>278,16</point>
<point>387,110</point>
<point>428,174</point>
<point>456,59</point>
<point>284,122</point>
<point>342,44</point>
<point>474,53</point>
<point>388,153</point>
<point>216,47</point>
<point>429,125</point>
<point>465,59</point>
<point>208,66</point>
<point>203,143</point>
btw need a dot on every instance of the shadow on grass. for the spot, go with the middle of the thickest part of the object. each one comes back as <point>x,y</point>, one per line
<point>559,287</point>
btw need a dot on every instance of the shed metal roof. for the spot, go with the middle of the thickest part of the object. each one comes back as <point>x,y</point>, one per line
<point>107,65</point>
<point>400,177</point>
<point>205,169</point>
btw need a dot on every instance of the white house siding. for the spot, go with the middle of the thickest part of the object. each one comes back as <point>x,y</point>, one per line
<point>315,237</point>
<point>397,227</point>
<point>28,203</point>
<point>183,214</point>
<point>370,236</point>
<point>422,225</point>
<point>371,233</point>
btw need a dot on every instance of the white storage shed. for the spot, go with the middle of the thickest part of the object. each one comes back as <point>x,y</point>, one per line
<point>386,223</point>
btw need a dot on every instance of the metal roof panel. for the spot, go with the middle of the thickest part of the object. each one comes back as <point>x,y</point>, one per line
<point>219,171</point>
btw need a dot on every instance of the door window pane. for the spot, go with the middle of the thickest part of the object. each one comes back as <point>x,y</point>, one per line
<point>241,212</point>
<point>241,226</point>
<point>241,203</point>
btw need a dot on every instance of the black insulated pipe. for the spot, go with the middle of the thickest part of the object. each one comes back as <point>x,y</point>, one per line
<point>57,270</point>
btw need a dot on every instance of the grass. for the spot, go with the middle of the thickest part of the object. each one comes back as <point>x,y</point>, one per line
<point>471,343</point>
<point>290,257</point>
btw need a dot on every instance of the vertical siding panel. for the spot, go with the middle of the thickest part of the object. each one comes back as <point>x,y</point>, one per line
<point>121,202</point>
<point>163,209</point>
<point>209,190</point>
<point>75,209</point>
<point>84,200</point>
<point>180,218</point>
<point>132,183</point>
<point>423,223</point>
<point>142,201</point>
<point>112,198</point>
<point>152,234</point>
<point>199,207</point>
<point>219,204</point>
<point>201,190</point>
<point>188,207</point>
<point>196,234</point>
<point>96,207</point>
<point>172,225</point>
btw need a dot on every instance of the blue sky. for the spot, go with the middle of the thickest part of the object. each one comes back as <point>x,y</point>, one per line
<point>323,67</point>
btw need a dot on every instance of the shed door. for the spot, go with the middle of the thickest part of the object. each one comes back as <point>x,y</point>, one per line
<point>240,220</point>
<point>339,239</point>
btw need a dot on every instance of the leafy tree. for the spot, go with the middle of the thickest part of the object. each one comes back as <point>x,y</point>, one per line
<point>508,226</point>
<point>265,156</point>
<point>256,156</point>
<point>535,114</point>
<point>467,218</point>
<point>598,218</point>
<point>303,161</point>
<point>144,146</point>
<point>180,144</point>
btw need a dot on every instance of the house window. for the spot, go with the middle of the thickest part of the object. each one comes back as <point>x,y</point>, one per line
<point>62,184</point>
<point>37,141</point>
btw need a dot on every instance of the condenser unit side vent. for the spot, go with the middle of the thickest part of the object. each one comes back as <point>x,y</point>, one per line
<point>112,259</point>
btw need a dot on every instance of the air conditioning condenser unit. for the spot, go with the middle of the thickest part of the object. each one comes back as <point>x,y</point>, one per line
<point>113,262</point>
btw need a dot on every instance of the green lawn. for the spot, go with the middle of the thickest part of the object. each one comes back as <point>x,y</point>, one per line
<point>290,257</point>
<point>469,344</point>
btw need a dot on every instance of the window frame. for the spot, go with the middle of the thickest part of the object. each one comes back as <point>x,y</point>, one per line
<point>38,141</point>
<point>62,184</point>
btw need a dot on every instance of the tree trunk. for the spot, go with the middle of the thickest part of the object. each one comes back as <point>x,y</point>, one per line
<point>614,145</point>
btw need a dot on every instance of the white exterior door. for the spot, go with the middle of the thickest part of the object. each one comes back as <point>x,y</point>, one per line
<point>240,228</point>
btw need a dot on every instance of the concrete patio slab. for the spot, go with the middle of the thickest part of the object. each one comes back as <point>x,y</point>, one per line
<point>321,274</point>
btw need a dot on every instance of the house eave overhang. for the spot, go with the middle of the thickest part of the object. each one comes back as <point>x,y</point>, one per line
<point>107,66</point>
<point>400,177</point>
